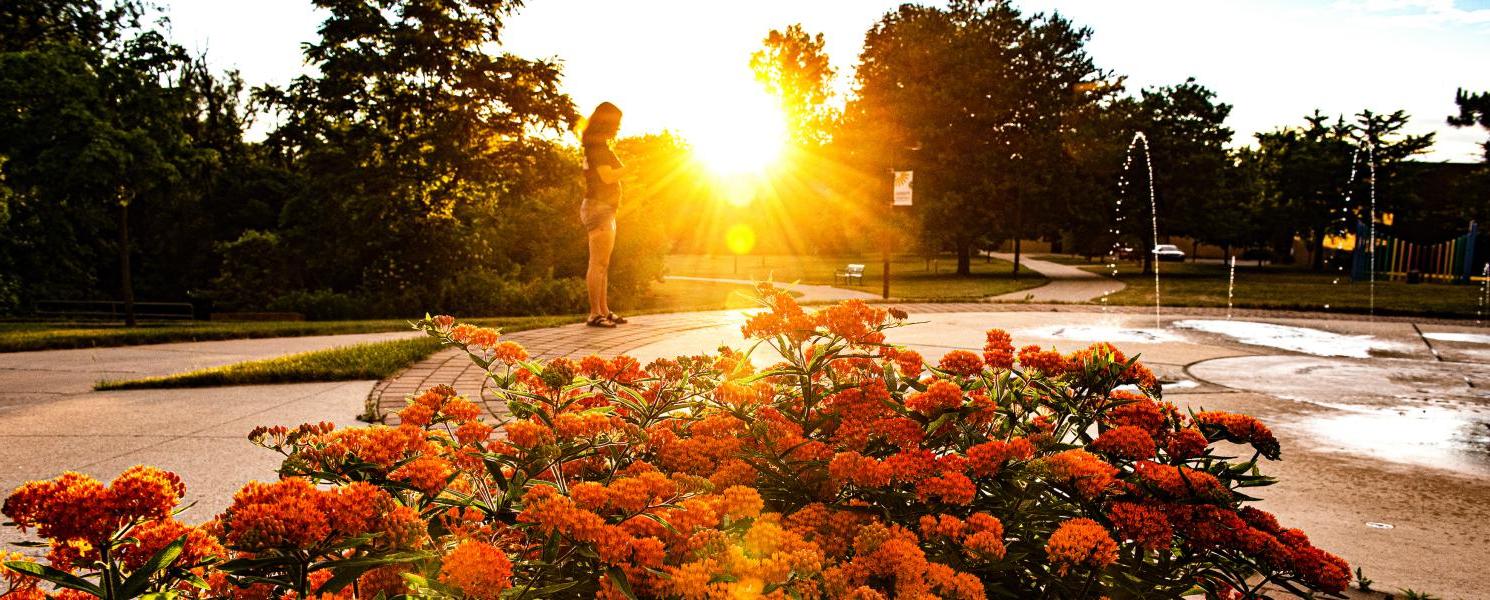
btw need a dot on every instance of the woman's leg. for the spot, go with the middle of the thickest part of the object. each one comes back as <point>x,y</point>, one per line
<point>602,241</point>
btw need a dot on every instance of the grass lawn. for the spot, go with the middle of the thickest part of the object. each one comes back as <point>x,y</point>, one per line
<point>1290,288</point>
<point>374,360</point>
<point>911,277</point>
<point>20,337</point>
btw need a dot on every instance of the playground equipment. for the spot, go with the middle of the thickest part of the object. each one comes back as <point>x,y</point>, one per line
<point>1451,261</point>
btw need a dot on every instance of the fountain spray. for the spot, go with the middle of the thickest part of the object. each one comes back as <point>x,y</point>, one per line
<point>1230,284</point>
<point>1148,162</point>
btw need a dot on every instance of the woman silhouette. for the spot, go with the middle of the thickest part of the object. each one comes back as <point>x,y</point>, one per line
<point>598,211</point>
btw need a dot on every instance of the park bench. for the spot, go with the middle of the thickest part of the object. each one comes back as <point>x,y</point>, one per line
<point>849,273</point>
<point>113,309</point>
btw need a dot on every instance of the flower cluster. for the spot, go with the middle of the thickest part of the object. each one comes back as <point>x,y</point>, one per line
<point>850,468</point>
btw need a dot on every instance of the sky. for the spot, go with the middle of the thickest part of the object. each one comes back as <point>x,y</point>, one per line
<point>667,62</point>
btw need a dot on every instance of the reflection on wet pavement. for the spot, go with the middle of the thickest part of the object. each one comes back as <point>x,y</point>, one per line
<point>1417,412</point>
<point>1100,333</point>
<point>1298,339</point>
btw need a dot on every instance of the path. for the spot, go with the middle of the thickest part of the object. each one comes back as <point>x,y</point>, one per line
<point>51,420</point>
<point>1067,283</point>
<point>809,292</point>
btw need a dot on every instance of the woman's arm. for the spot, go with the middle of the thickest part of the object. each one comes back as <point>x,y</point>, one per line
<point>609,174</point>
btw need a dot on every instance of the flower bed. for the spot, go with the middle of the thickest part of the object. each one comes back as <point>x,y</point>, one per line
<point>847,469</point>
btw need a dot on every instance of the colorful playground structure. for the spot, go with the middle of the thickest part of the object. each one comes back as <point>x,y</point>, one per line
<point>1457,260</point>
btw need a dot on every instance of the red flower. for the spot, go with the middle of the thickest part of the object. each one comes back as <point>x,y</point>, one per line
<point>1186,443</point>
<point>1146,525</point>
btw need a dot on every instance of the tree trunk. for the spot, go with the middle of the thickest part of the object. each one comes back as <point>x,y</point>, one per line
<point>1148,258</point>
<point>1194,250</point>
<point>1016,257</point>
<point>127,286</point>
<point>964,258</point>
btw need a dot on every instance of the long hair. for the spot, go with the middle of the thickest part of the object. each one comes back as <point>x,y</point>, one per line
<point>602,125</point>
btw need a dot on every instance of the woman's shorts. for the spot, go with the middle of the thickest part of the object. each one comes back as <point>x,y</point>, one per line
<point>596,214</point>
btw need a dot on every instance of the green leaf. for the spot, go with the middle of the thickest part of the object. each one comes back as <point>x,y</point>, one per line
<point>55,576</point>
<point>619,578</point>
<point>141,577</point>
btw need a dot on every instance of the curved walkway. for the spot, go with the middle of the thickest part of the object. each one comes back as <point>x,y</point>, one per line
<point>809,292</point>
<point>1067,283</point>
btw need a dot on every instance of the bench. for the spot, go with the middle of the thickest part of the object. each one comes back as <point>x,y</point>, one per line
<point>849,273</point>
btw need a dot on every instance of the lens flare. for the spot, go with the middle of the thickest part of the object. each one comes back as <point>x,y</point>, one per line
<point>740,239</point>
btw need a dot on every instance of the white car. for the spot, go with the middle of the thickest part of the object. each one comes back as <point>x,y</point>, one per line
<point>1169,253</point>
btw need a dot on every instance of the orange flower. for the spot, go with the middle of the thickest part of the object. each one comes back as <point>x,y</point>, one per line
<point>1144,524</point>
<point>428,474</point>
<point>940,395</point>
<point>1180,482</point>
<point>1136,410</point>
<point>1127,442</point>
<point>478,569</point>
<point>71,507</point>
<point>1089,475</point>
<point>1049,362</point>
<point>528,433</point>
<point>985,545</point>
<point>961,362</point>
<point>1241,429</point>
<point>1080,543</point>
<point>987,458</point>
<point>944,525</point>
<point>1186,443</point>
<point>950,487</point>
<point>153,536</point>
<point>285,514</point>
<point>998,351</point>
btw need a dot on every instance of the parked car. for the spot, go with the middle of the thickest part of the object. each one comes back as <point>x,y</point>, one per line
<point>1169,253</point>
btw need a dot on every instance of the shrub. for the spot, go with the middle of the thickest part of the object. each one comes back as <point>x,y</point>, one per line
<point>254,272</point>
<point>849,468</point>
<point>321,305</point>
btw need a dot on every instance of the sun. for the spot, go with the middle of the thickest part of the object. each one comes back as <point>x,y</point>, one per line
<point>743,134</point>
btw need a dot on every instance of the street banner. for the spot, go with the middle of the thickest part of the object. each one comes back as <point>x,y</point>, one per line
<point>903,188</point>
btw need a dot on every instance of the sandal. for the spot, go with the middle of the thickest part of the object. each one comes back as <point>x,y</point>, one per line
<point>617,319</point>
<point>600,321</point>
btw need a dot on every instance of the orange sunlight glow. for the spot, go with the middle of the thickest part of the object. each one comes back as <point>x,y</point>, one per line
<point>744,135</point>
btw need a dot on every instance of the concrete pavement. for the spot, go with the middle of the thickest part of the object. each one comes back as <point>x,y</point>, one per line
<point>807,292</point>
<point>1067,283</point>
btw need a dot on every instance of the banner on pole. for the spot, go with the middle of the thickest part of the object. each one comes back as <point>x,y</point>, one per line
<point>903,188</point>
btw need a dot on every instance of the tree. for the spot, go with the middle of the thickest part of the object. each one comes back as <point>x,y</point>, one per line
<point>793,67</point>
<point>1474,109</point>
<point>1187,137</point>
<point>92,127</point>
<point>409,136</point>
<point>984,95</point>
<point>1307,171</point>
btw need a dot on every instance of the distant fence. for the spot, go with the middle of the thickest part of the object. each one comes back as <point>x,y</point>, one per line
<point>1451,261</point>
<point>113,309</point>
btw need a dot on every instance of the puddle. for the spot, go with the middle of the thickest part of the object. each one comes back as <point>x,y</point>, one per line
<point>1298,339</point>
<point>1183,384</point>
<point>1100,333</point>
<point>1405,411</point>
<point>1471,338</point>
<point>1425,435</point>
